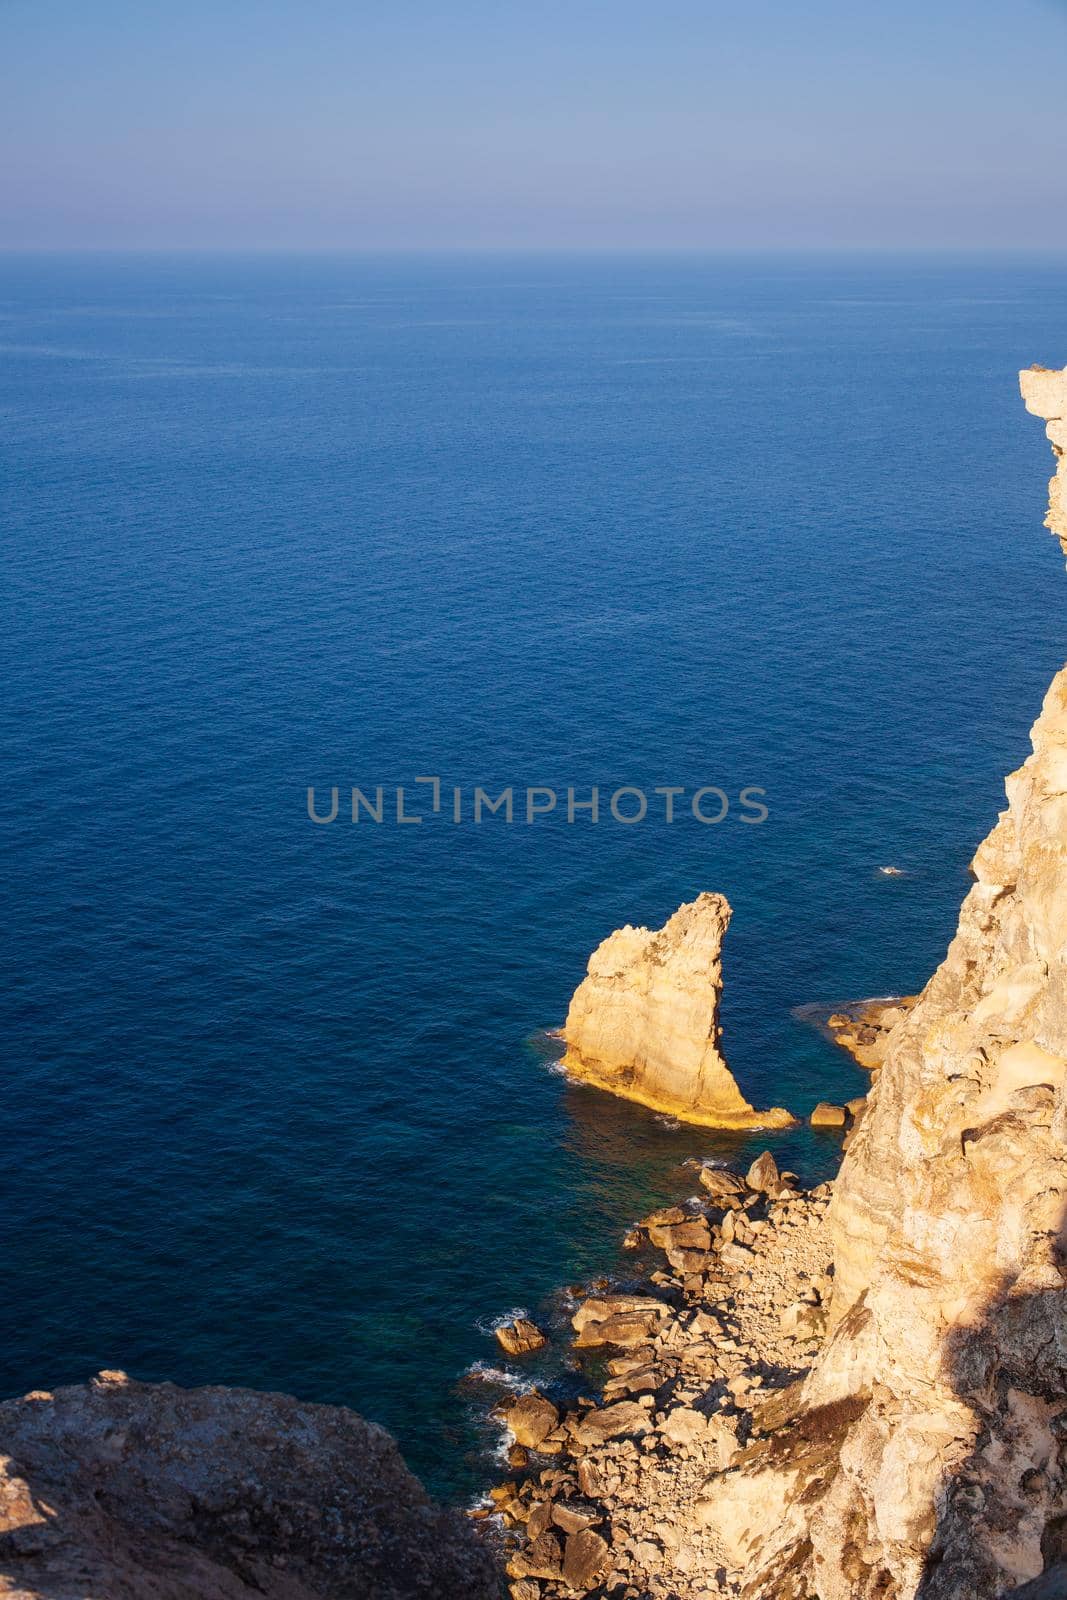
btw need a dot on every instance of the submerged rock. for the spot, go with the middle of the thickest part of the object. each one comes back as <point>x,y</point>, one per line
<point>644,1023</point>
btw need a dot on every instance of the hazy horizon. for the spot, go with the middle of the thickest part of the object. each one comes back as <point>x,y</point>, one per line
<point>710,127</point>
<point>813,252</point>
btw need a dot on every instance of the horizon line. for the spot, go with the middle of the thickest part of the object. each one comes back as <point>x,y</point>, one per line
<point>1052,251</point>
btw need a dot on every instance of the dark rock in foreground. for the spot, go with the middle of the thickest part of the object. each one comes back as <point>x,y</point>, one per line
<point>117,1490</point>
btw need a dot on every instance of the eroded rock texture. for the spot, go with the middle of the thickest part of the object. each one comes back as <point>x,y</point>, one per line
<point>645,1021</point>
<point>131,1491</point>
<point>1045,394</point>
<point>929,1457</point>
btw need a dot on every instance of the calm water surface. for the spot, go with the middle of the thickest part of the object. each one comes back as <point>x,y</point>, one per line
<point>275,1107</point>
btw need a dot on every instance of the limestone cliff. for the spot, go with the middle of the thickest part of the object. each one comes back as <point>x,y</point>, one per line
<point>1045,394</point>
<point>645,1021</point>
<point>131,1491</point>
<point>928,1456</point>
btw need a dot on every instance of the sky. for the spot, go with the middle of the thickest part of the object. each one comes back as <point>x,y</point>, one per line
<point>533,124</point>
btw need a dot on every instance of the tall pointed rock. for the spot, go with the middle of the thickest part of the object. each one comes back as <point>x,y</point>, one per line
<point>645,1021</point>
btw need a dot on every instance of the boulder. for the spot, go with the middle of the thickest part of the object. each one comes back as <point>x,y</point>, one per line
<point>592,1479</point>
<point>525,1589</point>
<point>826,1115</point>
<point>666,1214</point>
<point>625,1419</point>
<point>688,1233</point>
<point>687,1262</point>
<point>585,1560</point>
<point>644,1379</point>
<point>539,1519</point>
<point>531,1419</point>
<point>542,1558</point>
<point>597,1308</point>
<point>693,1235</point>
<point>684,1426</point>
<point>521,1336</point>
<point>575,1515</point>
<point>721,1184</point>
<point>763,1176</point>
<point>624,1330</point>
<point>618,1319</point>
<point>720,1443</point>
<point>735,1256</point>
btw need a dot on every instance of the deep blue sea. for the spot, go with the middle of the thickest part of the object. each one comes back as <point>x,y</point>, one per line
<point>277,1107</point>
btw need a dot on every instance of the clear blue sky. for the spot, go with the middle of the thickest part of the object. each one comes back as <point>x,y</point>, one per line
<point>533,123</point>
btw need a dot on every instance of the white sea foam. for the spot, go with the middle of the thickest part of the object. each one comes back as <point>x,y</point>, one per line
<point>489,1325</point>
<point>500,1376</point>
<point>500,1451</point>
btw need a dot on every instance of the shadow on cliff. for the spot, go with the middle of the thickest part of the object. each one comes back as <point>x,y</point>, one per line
<point>1010,1367</point>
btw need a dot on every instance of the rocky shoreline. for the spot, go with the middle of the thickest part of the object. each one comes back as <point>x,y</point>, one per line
<point>690,1368</point>
<point>858,1393</point>
<point>672,1375</point>
<point>863,1028</point>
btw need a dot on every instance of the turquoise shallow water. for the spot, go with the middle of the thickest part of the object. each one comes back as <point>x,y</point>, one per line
<point>276,1107</point>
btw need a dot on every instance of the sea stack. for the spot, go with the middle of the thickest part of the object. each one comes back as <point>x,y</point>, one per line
<point>644,1023</point>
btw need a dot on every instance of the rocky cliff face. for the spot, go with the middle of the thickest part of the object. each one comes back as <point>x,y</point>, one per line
<point>1045,395</point>
<point>645,1021</point>
<point>928,1456</point>
<point>132,1491</point>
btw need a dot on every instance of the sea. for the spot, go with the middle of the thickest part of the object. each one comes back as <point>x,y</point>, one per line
<point>281,1099</point>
